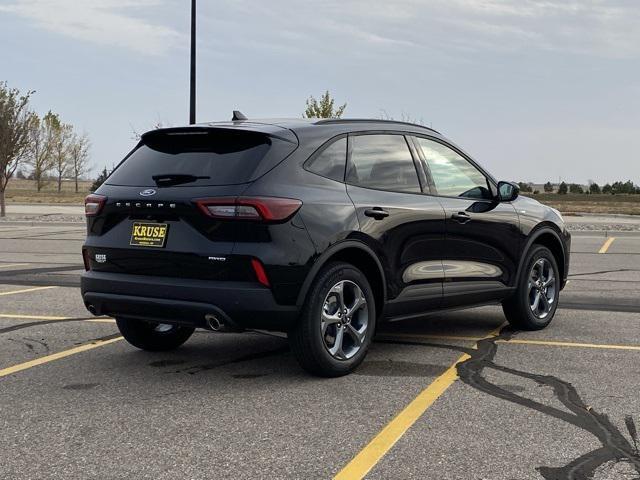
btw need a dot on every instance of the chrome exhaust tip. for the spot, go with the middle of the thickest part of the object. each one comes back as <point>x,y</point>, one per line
<point>213,322</point>
<point>91,309</point>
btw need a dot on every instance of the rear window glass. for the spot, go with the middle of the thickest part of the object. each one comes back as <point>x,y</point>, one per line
<point>209,158</point>
<point>331,161</point>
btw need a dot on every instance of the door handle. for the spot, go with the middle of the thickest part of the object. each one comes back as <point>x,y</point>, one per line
<point>376,212</point>
<point>461,217</point>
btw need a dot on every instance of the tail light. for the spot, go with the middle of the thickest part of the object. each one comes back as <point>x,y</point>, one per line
<point>261,275</point>
<point>268,209</point>
<point>85,259</point>
<point>93,204</point>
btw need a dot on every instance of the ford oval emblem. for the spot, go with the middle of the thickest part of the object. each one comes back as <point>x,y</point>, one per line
<point>148,192</point>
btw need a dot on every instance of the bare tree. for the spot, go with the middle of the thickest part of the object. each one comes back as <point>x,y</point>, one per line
<point>79,156</point>
<point>42,138</point>
<point>60,151</point>
<point>405,117</point>
<point>156,126</point>
<point>15,119</point>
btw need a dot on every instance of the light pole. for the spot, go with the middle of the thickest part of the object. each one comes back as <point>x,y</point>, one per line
<point>192,80</point>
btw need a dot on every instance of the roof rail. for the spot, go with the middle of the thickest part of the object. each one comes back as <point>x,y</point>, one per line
<point>330,121</point>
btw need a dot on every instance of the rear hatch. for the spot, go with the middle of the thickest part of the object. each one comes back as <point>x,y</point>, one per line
<point>151,217</point>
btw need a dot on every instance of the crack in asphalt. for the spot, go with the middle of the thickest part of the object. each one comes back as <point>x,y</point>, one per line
<point>614,445</point>
<point>192,370</point>
<point>39,270</point>
<point>38,323</point>
<point>617,270</point>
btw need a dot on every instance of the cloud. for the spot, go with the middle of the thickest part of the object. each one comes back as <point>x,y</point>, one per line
<point>602,28</point>
<point>105,22</point>
<point>598,27</point>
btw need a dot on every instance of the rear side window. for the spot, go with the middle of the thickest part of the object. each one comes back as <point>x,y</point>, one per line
<point>383,162</point>
<point>215,157</point>
<point>331,161</point>
<point>453,175</point>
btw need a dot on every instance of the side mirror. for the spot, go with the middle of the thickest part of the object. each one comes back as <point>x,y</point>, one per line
<point>507,191</point>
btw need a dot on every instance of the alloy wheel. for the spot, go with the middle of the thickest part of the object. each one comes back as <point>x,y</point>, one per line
<point>542,288</point>
<point>344,320</point>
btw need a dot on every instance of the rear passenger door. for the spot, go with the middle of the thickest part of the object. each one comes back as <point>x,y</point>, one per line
<point>482,235</point>
<point>404,226</point>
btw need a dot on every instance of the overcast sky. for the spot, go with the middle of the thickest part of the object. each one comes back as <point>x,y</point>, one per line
<point>534,89</point>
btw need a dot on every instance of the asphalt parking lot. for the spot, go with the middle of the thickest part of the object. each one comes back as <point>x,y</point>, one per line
<point>77,402</point>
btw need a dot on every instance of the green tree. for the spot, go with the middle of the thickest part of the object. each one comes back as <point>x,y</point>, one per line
<point>525,187</point>
<point>562,189</point>
<point>629,187</point>
<point>575,188</point>
<point>594,188</point>
<point>607,189</point>
<point>548,187</point>
<point>15,121</point>
<point>323,108</point>
<point>99,180</point>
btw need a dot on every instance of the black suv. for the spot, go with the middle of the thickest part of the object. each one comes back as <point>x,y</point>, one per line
<point>318,228</point>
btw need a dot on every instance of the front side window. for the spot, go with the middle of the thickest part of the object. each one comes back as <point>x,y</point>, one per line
<point>453,175</point>
<point>330,162</point>
<point>383,162</point>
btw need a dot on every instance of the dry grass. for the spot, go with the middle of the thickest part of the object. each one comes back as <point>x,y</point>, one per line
<point>24,191</point>
<point>584,203</point>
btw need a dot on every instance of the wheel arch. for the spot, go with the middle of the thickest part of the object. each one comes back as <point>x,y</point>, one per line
<point>550,238</point>
<point>359,255</point>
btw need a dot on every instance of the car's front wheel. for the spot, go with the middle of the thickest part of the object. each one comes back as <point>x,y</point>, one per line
<point>337,322</point>
<point>155,337</point>
<point>535,301</point>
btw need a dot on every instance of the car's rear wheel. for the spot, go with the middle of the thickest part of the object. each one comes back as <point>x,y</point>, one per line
<point>152,336</point>
<point>337,322</point>
<point>535,301</point>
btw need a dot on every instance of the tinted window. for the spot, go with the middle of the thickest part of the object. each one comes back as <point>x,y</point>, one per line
<point>383,162</point>
<point>452,174</point>
<point>219,157</point>
<point>330,162</point>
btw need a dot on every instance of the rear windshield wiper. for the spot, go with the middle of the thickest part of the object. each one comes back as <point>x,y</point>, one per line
<point>169,179</point>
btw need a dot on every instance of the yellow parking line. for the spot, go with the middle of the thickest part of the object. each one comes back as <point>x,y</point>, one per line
<point>606,245</point>
<point>377,448</point>
<point>14,292</point>
<point>552,343</point>
<point>519,341</point>
<point>56,356</point>
<point>30,317</point>
<point>9,265</point>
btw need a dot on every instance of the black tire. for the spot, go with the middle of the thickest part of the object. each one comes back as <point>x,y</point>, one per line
<point>154,337</point>
<point>518,307</point>
<point>308,344</point>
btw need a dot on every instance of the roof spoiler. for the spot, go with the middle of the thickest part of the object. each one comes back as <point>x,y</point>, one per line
<point>282,134</point>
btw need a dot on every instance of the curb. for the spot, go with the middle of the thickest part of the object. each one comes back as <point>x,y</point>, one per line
<point>604,233</point>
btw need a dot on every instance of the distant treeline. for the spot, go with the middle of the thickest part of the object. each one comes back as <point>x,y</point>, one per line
<point>563,188</point>
<point>44,146</point>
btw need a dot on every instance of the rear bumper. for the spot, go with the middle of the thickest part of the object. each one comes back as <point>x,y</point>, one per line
<point>184,301</point>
